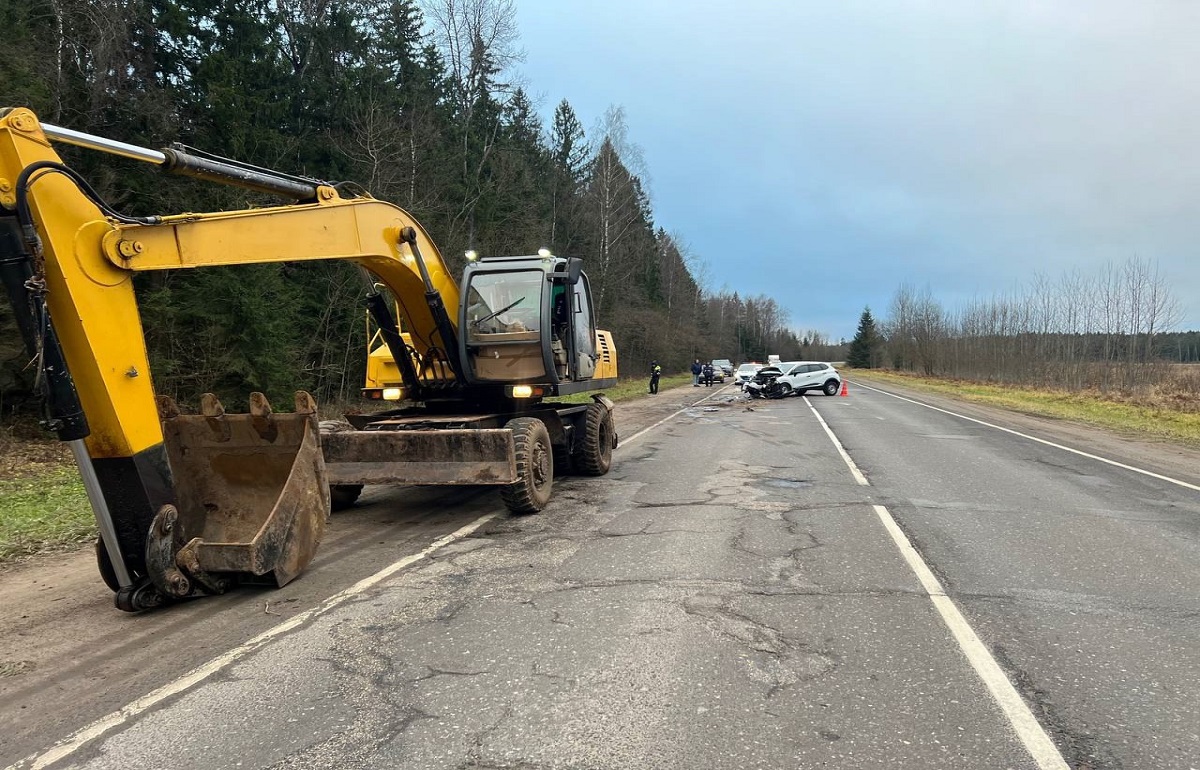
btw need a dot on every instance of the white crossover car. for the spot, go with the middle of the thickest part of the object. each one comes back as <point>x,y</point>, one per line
<point>801,376</point>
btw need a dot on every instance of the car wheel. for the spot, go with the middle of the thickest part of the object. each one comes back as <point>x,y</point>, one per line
<point>831,388</point>
<point>785,390</point>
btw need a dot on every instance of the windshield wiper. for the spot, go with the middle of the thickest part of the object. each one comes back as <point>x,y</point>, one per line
<point>504,309</point>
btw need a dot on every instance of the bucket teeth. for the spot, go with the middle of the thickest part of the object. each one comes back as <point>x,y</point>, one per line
<point>260,417</point>
<point>259,405</point>
<point>210,405</point>
<point>167,408</point>
<point>305,403</point>
<point>214,414</point>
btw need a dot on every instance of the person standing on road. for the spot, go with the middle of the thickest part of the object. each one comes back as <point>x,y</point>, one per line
<point>696,370</point>
<point>655,373</point>
<point>707,370</point>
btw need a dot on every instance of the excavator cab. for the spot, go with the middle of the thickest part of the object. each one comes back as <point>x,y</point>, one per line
<point>527,321</point>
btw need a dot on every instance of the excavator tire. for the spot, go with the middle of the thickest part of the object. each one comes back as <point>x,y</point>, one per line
<point>535,466</point>
<point>596,456</point>
<point>564,463</point>
<point>107,573</point>
<point>342,496</point>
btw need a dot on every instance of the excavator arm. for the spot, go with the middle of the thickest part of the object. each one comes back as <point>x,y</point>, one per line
<point>190,504</point>
<point>68,263</point>
<point>88,261</point>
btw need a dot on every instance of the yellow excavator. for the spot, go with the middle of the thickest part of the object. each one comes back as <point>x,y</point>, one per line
<point>193,504</point>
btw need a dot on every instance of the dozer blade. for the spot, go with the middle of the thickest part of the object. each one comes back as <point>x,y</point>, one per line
<point>473,456</point>
<point>252,493</point>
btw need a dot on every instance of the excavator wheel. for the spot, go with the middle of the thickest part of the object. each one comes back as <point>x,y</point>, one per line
<point>535,466</point>
<point>342,496</point>
<point>596,456</point>
<point>107,573</point>
<point>564,462</point>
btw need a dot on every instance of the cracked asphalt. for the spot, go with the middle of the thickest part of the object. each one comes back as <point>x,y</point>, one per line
<point>725,598</point>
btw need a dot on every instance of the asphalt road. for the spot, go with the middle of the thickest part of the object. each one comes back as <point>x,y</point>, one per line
<point>730,596</point>
<point>1081,576</point>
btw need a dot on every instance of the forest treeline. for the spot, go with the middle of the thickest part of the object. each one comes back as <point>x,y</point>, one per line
<point>416,103</point>
<point>1109,329</point>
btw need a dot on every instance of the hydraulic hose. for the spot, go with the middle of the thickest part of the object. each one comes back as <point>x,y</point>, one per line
<point>25,293</point>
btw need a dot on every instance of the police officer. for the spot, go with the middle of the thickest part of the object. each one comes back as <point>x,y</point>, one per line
<point>655,373</point>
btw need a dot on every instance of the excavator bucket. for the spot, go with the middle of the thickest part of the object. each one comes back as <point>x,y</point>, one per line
<point>252,495</point>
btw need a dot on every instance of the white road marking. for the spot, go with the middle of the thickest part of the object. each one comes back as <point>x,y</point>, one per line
<point>858,475</point>
<point>668,418</point>
<point>1031,733</point>
<point>100,727</point>
<point>1081,453</point>
<point>1024,723</point>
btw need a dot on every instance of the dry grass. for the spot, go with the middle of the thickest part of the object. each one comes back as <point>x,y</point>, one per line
<point>1168,411</point>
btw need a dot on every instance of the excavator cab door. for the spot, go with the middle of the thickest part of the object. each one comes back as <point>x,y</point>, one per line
<point>583,328</point>
<point>502,324</point>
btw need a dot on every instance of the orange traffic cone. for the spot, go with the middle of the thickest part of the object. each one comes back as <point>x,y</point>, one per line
<point>845,390</point>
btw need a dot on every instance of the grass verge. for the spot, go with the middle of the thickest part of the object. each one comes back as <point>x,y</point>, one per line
<point>1138,420</point>
<point>43,514</point>
<point>627,389</point>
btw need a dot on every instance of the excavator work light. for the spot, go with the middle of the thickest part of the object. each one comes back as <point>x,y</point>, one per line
<point>393,394</point>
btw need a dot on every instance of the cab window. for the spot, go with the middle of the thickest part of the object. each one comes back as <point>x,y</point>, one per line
<point>503,303</point>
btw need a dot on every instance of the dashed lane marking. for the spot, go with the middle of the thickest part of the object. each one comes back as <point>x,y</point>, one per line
<point>1030,732</point>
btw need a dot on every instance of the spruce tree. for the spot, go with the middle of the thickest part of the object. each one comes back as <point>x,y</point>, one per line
<point>865,345</point>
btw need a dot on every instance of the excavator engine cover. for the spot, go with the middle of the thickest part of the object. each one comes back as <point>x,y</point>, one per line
<point>252,492</point>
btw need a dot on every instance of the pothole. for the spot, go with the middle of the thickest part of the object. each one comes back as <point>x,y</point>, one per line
<point>787,483</point>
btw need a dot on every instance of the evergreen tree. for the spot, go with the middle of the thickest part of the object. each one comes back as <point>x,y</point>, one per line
<point>864,348</point>
<point>407,98</point>
<point>569,154</point>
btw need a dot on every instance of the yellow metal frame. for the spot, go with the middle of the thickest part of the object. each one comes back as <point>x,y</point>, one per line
<point>90,261</point>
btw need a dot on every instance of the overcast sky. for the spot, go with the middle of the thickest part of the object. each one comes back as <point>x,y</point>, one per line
<point>824,153</point>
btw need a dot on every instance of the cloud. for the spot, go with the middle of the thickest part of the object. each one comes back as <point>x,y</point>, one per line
<point>836,149</point>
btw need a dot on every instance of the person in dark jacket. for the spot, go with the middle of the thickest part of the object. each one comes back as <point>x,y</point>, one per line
<point>707,371</point>
<point>655,373</point>
<point>696,370</point>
